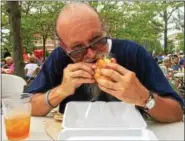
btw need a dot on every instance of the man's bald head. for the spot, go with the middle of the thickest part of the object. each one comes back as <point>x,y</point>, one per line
<point>74,13</point>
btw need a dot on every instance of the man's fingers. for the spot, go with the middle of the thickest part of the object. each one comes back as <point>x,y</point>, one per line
<point>113,60</point>
<point>114,75</point>
<point>80,81</point>
<point>81,66</point>
<point>107,83</point>
<point>80,73</point>
<point>109,91</point>
<point>117,68</point>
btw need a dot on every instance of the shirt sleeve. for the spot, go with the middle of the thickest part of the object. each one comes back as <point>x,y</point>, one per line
<point>50,75</point>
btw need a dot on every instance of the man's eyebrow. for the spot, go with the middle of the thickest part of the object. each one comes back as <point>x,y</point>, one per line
<point>97,36</point>
<point>94,37</point>
<point>75,44</point>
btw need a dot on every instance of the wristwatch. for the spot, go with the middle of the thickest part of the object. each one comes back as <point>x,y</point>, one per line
<point>150,102</point>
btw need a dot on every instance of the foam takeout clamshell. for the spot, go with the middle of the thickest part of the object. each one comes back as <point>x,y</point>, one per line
<point>97,121</point>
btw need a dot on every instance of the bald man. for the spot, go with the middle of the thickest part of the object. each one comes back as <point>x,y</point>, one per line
<point>68,71</point>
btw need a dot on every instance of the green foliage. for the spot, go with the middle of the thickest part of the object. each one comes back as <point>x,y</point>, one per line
<point>180,38</point>
<point>134,21</point>
<point>122,19</point>
<point>171,47</point>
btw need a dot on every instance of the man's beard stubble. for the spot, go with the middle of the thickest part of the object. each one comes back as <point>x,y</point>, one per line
<point>94,93</point>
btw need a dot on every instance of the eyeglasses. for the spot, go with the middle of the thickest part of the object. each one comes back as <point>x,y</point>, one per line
<point>97,45</point>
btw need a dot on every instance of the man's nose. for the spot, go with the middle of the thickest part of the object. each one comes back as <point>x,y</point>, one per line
<point>91,53</point>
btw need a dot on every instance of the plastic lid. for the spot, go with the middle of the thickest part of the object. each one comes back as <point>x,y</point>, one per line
<point>102,115</point>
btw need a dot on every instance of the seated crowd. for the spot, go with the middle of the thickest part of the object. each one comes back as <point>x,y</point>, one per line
<point>31,68</point>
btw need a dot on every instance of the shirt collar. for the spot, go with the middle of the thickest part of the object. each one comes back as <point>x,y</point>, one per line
<point>109,41</point>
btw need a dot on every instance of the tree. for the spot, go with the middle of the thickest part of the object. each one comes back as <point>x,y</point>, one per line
<point>5,34</point>
<point>42,21</point>
<point>171,47</point>
<point>166,10</point>
<point>180,38</point>
<point>27,23</point>
<point>14,15</point>
<point>134,21</point>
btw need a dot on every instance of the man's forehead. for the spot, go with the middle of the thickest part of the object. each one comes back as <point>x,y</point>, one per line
<point>93,36</point>
<point>77,9</point>
<point>75,13</point>
<point>80,31</point>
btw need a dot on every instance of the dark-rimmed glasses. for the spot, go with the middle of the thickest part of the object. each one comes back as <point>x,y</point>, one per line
<point>97,45</point>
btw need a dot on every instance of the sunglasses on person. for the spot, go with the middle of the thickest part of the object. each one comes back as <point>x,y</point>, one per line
<point>98,45</point>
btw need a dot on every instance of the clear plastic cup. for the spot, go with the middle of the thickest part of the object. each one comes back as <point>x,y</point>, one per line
<point>17,115</point>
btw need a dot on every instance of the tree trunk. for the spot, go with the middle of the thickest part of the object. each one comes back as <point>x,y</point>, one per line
<point>165,31</point>
<point>14,15</point>
<point>44,48</point>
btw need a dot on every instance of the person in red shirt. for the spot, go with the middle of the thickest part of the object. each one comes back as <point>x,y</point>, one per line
<point>25,55</point>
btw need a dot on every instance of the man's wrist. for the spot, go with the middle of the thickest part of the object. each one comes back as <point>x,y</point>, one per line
<point>56,93</point>
<point>47,99</point>
<point>145,98</point>
<point>150,103</point>
<point>61,92</point>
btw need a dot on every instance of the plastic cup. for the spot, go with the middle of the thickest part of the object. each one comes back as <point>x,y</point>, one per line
<point>17,115</point>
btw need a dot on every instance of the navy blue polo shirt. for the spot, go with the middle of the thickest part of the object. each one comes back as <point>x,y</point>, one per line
<point>127,53</point>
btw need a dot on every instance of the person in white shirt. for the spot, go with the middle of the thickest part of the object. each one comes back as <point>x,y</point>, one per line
<point>166,66</point>
<point>31,69</point>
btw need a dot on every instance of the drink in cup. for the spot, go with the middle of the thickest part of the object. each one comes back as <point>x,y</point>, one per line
<point>17,115</point>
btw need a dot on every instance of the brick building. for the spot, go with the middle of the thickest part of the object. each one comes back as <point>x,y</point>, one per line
<point>50,43</point>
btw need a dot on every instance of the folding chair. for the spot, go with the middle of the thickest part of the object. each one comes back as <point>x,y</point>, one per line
<point>12,84</point>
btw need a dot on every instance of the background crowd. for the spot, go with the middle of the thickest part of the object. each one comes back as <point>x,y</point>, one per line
<point>32,63</point>
<point>171,65</point>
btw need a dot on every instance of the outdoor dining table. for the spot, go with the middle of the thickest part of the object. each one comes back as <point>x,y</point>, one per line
<point>163,131</point>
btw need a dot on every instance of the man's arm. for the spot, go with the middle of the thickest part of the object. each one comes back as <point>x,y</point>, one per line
<point>125,86</point>
<point>166,110</point>
<point>39,104</point>
<point>74,75</point>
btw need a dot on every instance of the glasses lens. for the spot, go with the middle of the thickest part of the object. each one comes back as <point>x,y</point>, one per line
<point>78,53</point>
<point>100,43</point>
<point>81,52</point>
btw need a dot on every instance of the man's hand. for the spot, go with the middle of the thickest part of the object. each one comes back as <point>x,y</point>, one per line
<point>123,84</point>
<point>75,75</point>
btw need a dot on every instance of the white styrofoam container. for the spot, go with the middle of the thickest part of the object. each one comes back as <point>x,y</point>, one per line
<point>102,115</point>
<point>103,121</point>
<point>106,135</point>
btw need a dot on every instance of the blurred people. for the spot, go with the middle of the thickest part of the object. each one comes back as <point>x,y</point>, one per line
<point>6,53</point>
<point>25,56</point>
<point>3,62</point>
<point>39,53</point>
<point>31,68</point>
<point>9,66</point>
<point>175,63</point>
<point>165,66</point>
<point>181,62</point>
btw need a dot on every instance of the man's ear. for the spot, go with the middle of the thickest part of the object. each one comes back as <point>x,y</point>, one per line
<point>62,44</point>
